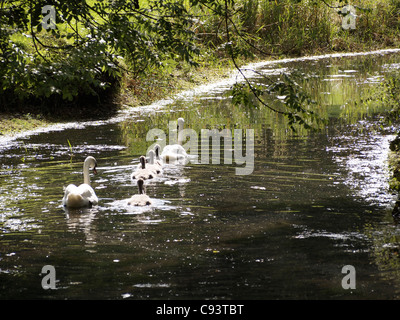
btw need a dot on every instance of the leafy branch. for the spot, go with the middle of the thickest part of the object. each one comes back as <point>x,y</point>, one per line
<point>92,45</point>
<point>295,103</point>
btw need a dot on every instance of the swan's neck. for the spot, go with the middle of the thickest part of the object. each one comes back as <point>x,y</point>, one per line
<point>180,124</point>
<point>86,176</point>
<point>179,129</point>
<point>140,187</point>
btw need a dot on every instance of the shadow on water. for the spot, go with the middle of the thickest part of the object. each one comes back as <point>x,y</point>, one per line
<point>314,203</point>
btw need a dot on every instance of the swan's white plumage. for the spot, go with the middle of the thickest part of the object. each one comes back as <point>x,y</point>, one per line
<point>175,152</point>
<point>143,172</point>
<point>140,199</point>
<point>79,196</point>
<point>82,195</point>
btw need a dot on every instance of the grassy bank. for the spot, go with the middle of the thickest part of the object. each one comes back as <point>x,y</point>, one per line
<point>11,124</point>
<point>259,30</point>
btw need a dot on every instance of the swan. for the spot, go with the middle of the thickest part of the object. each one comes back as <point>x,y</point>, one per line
<point>143,172</point>
<point>83,195</point>
<point>140,199</point>
<point>175,152</point>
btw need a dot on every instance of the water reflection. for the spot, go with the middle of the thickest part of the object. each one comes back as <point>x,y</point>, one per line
<point>81,220</point>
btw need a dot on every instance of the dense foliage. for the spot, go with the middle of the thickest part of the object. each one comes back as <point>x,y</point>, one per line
<point>92,43</point>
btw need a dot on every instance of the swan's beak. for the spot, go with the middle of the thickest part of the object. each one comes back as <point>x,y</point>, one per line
<point>94,170</point>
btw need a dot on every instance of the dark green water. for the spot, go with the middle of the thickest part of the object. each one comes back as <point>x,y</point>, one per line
<point>314,203</point>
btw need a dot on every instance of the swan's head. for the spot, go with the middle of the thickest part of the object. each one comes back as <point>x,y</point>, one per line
<point>91,163</point>
<point>181,121</point>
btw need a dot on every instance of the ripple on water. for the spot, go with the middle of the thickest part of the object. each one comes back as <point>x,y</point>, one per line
<point>19,224</point>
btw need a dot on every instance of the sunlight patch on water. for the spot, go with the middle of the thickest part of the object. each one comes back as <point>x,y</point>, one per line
<point>392,66</point>
<point>122,207</point>
<point>320,57</point>
<point>374,79</point>
<point>368,173</point>
<point>343,236</point>
<point>20,225</point>
<point>152,285</point>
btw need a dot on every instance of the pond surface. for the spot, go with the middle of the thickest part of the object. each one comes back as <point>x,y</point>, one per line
<point>314,202</point>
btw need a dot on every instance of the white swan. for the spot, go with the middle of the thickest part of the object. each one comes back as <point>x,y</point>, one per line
<point>143,172</point>
<point>83,195</point>
<point>140,199</point>
<point>175,152</point>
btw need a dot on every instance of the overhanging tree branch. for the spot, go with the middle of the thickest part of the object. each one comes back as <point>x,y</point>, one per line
<point>287,91</point>
<point>229,44</point>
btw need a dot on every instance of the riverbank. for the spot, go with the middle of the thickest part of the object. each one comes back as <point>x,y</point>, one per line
<point>131,94</point>
<point>11,124</point>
